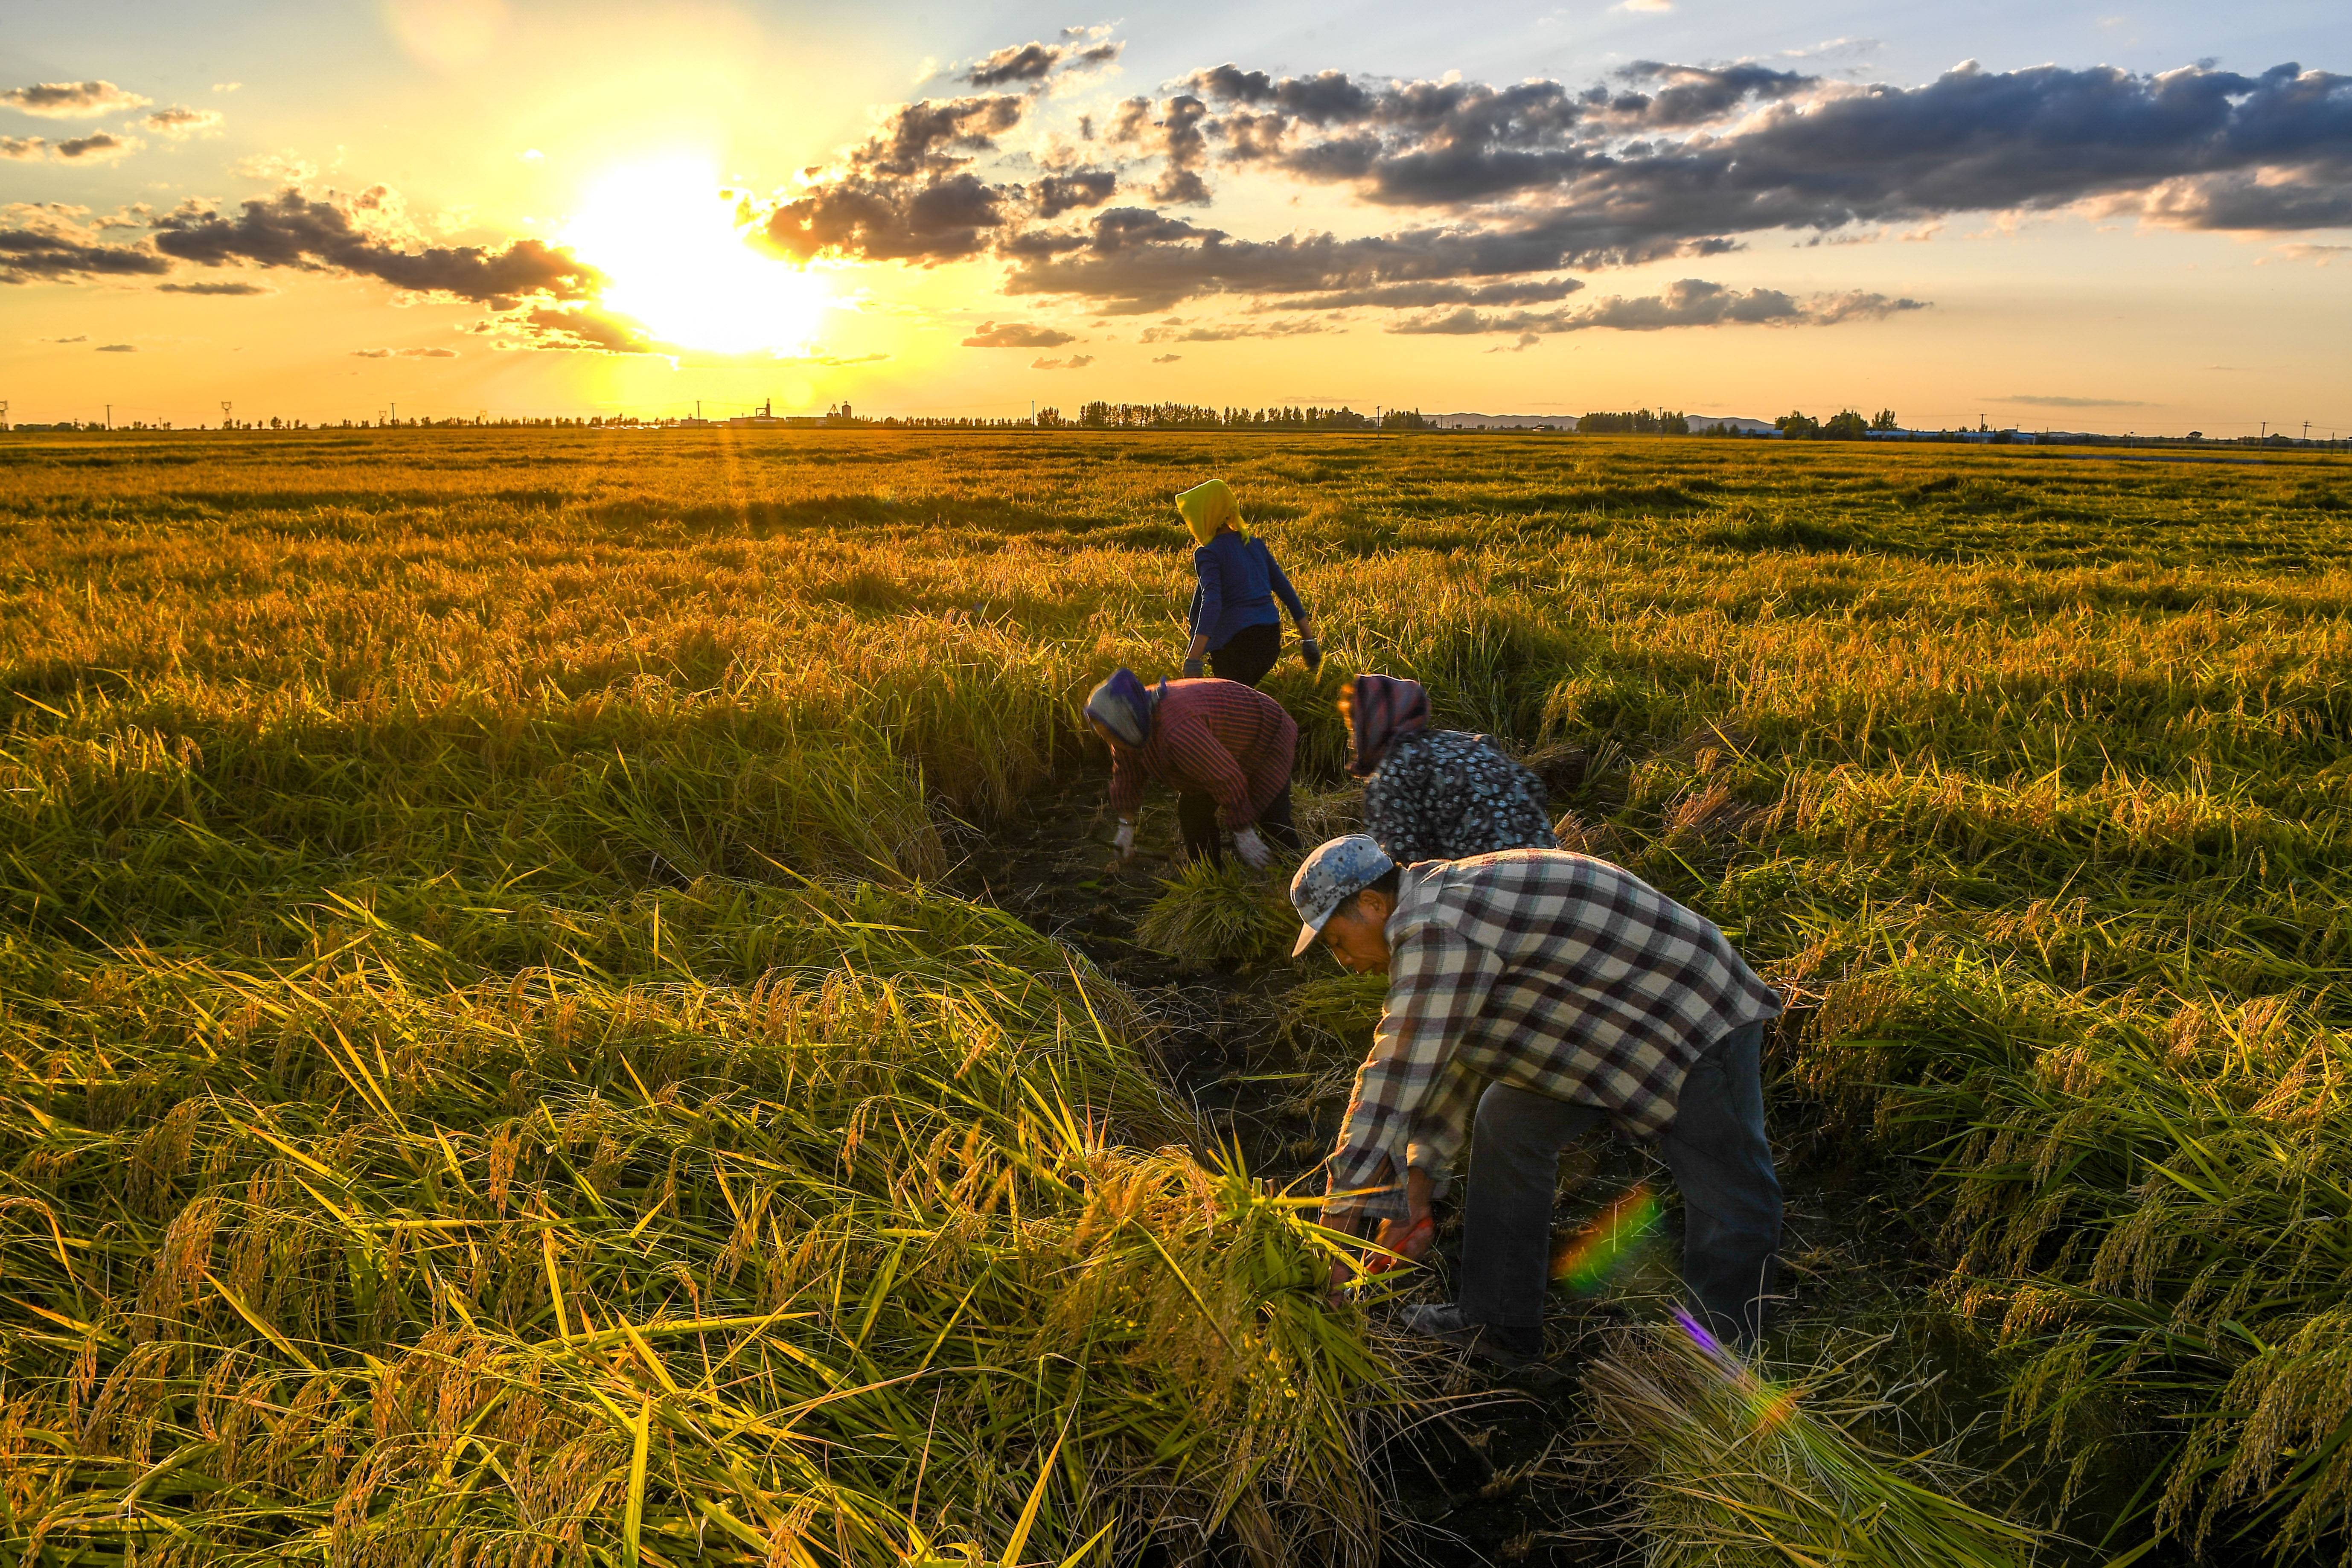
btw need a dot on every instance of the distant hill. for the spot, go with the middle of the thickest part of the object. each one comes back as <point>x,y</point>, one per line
<point>1568,422</point>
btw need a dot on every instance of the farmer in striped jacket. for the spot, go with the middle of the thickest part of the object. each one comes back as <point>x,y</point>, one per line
<point>1532,994</point>
<point>1225,748</point>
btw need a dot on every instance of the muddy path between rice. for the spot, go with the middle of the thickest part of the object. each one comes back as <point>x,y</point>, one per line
<point>1463,1484</point>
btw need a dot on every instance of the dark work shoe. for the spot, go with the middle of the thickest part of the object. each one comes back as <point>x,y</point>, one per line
<point>1512,1348</point>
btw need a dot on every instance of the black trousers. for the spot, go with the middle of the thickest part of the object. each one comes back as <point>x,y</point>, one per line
<point>1196,815</point>
<point>1248,654</point>
<point>1721,1161</point>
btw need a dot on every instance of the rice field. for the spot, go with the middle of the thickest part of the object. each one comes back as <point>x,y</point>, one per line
<point>506,1061</point>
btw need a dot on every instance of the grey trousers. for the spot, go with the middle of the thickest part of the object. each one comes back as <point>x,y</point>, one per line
<point>1722,1164</point>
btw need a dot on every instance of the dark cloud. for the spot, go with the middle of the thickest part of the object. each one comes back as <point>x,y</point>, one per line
<point>904,195</point>
<point>1410,296</point>
<point>1033,62</point>
<point>25,149</point>
<point>117,349</point>
<point>1076,361</point>
<point>1694,95</point>
<point>404,353</point>
<point>1057,194</point>
<point>573,330</point>
<point>98,147</point>
<point>45,245</point>
<point>1016,335</point>
<point>292,230</point>
<point>1166,359</point>
<point>77,338</point>
<point>220,289</point>
<point>1173,133</point>
<point>72,100</point>
<point>1689,302</point>
<point>1132,259</point>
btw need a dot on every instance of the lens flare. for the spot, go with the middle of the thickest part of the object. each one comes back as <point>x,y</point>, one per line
<point>1767,1405</point>
<point>1593,1256</point>
<point>665,236</point>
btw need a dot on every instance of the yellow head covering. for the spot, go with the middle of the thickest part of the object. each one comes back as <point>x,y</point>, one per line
<point>1208,508</point>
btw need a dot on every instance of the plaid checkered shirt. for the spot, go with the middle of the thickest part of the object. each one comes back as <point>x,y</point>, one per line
<point>1548,971</point>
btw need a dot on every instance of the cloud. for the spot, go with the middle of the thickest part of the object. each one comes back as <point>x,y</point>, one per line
<point>72,100</point>
<point>223,287</point>
<point>2317,255</point>
<point>292,230</point>
<point>904,195</point>
<point>116,348</point>
<point>838,360</point>
<point>1407,295</point>
<point>573,330</point>
<point>45,244</point>
<point>1057,194</point>
<point>1166,359</point>
<point>286,168</point>
<point>1525,342</point>
<point>2042,402</point>
<point>1017,335</point>
<point>1653,6</point>
<point>1688,302</point>
<point>77,338</point>
<point>1505,186</point>
<point>98,147</point>
<point>1076,361</point>
<point>1033,62</point>
<point>226,86</point>
<point>404,353</point>
<point>1231,331</point>
<point>178,122</point>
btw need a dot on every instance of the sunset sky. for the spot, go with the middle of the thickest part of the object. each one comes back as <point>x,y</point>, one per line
<point>2135,218</point>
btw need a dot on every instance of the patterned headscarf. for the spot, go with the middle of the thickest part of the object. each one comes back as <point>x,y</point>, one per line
<point>1123,705</point>
<point>1207,508</point>
<point>1382,708</point>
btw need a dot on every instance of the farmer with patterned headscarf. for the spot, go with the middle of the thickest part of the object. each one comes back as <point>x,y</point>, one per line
<point>1435,794</point>
<point>1223,748</point>
<point>1235,628</point>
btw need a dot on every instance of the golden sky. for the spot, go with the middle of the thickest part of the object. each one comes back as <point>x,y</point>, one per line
<point>463,206</point>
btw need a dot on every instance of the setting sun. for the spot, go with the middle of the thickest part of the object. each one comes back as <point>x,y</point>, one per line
<point>664,234</point>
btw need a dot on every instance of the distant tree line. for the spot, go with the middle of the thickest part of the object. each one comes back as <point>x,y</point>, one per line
<point>1196,417</point>
<point>1640,422</point>
<point>1843,425</point>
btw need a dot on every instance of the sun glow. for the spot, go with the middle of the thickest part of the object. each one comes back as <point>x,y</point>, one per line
<point>665,237</point>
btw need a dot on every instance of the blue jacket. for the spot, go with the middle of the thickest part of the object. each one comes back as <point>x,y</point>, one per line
<point>1239,582</point>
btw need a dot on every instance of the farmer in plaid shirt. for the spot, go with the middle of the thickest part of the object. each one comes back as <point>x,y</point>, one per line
<point>1532,994</point>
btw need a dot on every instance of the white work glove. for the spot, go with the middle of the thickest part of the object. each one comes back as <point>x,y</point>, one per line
<point>1251,849</point>
<point>1124,841</point>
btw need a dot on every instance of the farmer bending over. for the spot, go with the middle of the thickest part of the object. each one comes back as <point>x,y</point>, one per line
<point>1225,748</point>
<point>1234,621</point>
<point>1435,794</point>
<point>1546,990</point>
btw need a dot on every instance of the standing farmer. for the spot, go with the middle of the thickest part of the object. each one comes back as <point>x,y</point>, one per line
<point>1435,794</point>
<point>1223,748</point>
<point>1234,624</point>
<point>1532,994</point>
